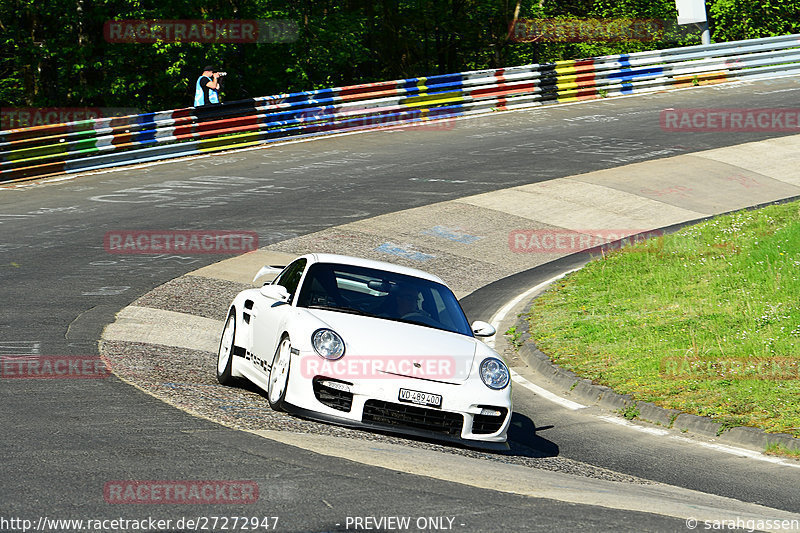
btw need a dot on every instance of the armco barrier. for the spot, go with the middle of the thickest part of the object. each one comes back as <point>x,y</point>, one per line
<point>107,142</point>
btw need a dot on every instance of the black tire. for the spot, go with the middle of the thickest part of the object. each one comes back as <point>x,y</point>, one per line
<point>225,351</point>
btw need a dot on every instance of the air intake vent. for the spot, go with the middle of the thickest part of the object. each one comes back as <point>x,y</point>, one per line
<point>487,424</point>
<point>398,415</point>
<point>333,393</point>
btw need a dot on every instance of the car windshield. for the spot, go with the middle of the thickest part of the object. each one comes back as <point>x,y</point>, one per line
<point>381,294</point>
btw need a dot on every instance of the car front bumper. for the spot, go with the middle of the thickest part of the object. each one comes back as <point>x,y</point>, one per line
<point>470,413</point>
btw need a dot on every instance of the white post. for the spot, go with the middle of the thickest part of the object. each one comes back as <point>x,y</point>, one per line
<point>705,37</point>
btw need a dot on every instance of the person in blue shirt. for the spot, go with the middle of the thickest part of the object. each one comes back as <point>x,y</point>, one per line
<point>206,90</point>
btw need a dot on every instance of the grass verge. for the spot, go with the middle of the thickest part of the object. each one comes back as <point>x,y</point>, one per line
<point>706,320</point>
<point>782,451</point>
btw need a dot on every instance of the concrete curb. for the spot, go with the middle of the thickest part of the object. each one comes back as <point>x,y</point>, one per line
<point>583,390</point>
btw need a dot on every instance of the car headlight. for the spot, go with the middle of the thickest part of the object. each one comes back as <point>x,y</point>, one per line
<point>328,344</point>
<point>494,373</point>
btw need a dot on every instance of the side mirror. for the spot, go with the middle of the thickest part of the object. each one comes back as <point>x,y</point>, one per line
<point>379,286</point>
<point>483,329</point>
<point>275,292</point>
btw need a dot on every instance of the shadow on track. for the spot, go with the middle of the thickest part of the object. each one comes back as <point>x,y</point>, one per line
<point>526,441</point>
<point>524,438</point>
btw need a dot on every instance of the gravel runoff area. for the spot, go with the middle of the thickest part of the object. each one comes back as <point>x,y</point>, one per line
<point>194,295</point>
<point>186,379</point>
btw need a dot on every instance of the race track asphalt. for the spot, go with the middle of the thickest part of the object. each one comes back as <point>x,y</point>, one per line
<point>64,439</point>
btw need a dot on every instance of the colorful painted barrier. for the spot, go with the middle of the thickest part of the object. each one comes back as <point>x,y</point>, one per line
<point>107,142</point>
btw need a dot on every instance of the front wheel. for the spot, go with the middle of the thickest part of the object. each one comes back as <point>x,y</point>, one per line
<point>225,352</point>
<point>279,375</point>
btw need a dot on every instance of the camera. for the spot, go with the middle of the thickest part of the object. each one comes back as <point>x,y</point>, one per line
<point>221,74</point>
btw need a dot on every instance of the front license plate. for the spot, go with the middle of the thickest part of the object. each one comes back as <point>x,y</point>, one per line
<point>420,398</point>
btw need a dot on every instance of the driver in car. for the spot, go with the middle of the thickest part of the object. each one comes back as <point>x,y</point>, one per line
<point>408,303</point>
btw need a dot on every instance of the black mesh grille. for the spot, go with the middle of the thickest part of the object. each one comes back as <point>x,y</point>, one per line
<point>334,398</point>
<point>395,414</point>
<point>486,424</point>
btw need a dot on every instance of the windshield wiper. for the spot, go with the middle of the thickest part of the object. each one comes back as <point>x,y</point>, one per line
<point>351,310</point>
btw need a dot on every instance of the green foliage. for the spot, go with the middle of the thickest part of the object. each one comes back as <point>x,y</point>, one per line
<point>53,53</point>
<point>733,20</point>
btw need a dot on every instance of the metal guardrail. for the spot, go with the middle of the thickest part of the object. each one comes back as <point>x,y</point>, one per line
<point>107,142</point>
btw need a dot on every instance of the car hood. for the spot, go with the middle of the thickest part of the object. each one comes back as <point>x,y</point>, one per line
<point>399,348</point>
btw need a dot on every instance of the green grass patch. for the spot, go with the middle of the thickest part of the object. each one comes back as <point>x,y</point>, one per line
<point>514,336</point>
<point>780,449</point>
<point>706,320</point>
<point>630,411</point>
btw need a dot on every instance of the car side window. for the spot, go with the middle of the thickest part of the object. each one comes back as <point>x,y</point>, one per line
<point>290,277</point>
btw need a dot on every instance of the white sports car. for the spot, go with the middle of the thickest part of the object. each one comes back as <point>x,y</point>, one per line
<point>364,343</point>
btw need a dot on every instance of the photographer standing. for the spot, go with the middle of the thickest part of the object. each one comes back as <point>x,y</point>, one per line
<point>207,88</point>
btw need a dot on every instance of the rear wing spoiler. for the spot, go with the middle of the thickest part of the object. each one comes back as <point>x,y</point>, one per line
<point>267,269</point>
